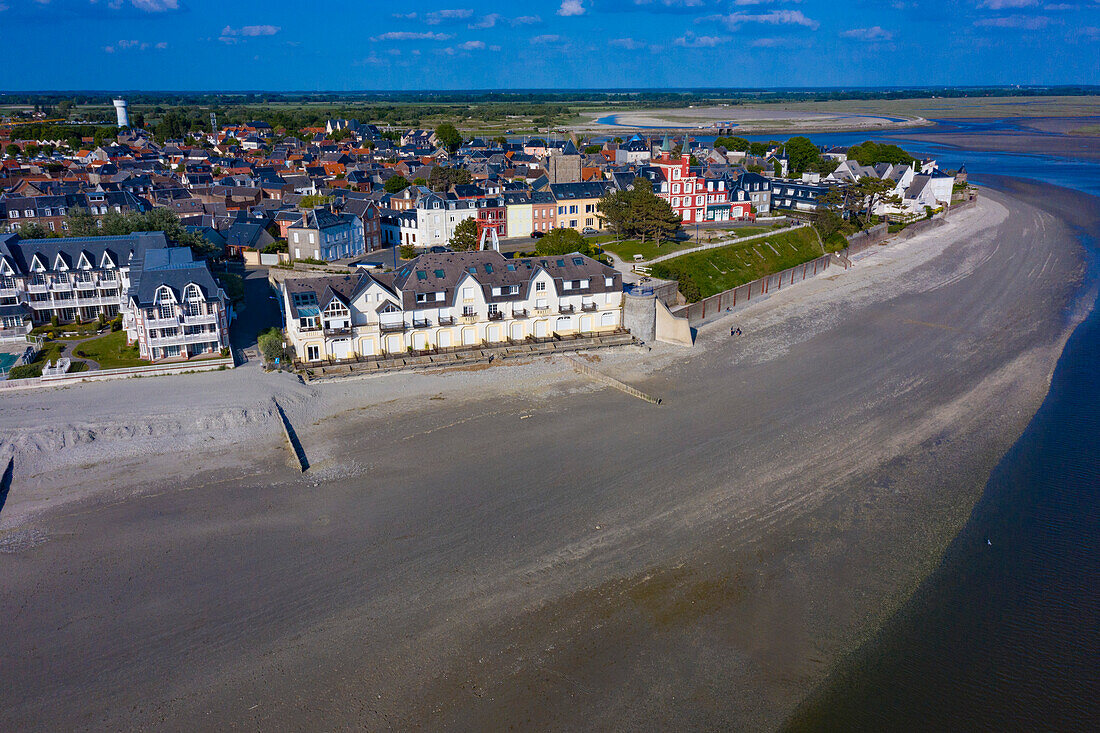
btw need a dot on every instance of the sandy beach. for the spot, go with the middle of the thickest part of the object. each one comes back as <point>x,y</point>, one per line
<point>746,119</point>
<point>519,545</point>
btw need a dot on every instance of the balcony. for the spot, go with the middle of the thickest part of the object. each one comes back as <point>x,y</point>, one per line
<point>108,282</point>
<point>162,322</point>
<point>446,320</point>
<point>9,292</point>
<point>520,313</point>
<point>182,339</point>
<point>338,332</point>
<point>308,329</point>
<point>391,327</point>
<point>496,316</point>
<point>61,286</point>
<point>37,288</point>
<point>201,318</point>
<point>588,307</point>
<point>422,323</point>
<point>566,309</point>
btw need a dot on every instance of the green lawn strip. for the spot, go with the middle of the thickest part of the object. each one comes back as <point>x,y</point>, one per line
<point>702,274</point>
<point>81,330</point>
<point>649,250</point>
<point>626,250</point>
<point>111,352</point>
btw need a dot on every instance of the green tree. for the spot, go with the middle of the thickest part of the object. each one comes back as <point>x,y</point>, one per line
<point>758,150</point>
<point>870,153</point>
<point>828,217</point>
<point>449,136</point>
<point>408,251</point>
<point>464,238</point>
<point>419,181</point>
<point>869,191</point>
<point>81,222</point>
<point>802,154</point>
<point>271,345</point>
<point>310,201</point>
<point>638,212</point>
<point>562,241</point>
<point>396,184</point>
<point>441,178</point>
<point>33,230</point>
<point>733,143</point>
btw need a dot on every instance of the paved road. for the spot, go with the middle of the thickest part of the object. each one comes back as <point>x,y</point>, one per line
<point>569,559</point>
<point>260,310</point>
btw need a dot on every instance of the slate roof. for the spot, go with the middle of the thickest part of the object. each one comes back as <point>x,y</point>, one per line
<point>171,266</point>
<point>20,253</point>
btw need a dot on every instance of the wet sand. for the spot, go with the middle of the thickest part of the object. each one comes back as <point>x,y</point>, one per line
<point>518,546</point>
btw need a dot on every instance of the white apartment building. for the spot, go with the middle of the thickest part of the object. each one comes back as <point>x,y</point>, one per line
<point>450,300</point>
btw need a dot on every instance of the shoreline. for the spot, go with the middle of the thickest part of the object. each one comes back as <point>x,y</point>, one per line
<point>735,527</point>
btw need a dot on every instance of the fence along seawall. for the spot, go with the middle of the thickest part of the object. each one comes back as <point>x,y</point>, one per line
<point>739,297</point>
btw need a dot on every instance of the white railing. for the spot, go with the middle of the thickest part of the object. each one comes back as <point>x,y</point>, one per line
<point>9,292</point>
<point>204,318</point>
<point>15,334</point>
<point>37,287</point>
<point>193,338</point>
<point>172,322</point>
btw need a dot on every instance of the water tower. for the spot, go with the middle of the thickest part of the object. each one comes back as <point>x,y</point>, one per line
<point>123,115</point>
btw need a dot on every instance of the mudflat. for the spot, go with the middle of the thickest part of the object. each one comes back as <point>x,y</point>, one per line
<point>519,546</point>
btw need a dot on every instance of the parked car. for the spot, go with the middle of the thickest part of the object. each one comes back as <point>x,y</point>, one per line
<point>538,235</point>
<point>439,249</point>
<point>588,231</point>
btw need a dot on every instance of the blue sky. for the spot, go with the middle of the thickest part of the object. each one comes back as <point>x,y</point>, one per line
<point>557,44</point>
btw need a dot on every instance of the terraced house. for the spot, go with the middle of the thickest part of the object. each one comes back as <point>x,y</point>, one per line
<point>450,300</point>
<point>174,307</point>
<point>70,279</point>
<point>171,305</point>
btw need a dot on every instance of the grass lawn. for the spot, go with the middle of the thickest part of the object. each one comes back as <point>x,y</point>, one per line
<point>82,330</point>
<point>702,274</point>
<point>110,351</point>
<point>627,249</point>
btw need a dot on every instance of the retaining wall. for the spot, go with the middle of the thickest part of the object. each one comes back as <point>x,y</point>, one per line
<point>102,375</point>
<point>739,297</point>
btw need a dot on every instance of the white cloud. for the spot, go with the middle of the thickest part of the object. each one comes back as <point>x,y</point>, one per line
<point>772,17</point>
<point>627,43</point>
<point>1022,22</point>
<point>547,38</point>
<point>1002,4</point>
<point>527,20</point>
<point>485,21</point>
<point>571,7</point>
<point>412,36</point>
<point>472,45</point>
<point>448,16</point>
<point>126,44</point>
<point>690,40</point>
<point>251,30</point>
<point>874,33</point>
<point>155,6</point>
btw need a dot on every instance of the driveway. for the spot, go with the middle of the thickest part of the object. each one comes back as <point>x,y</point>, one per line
<point>258,311</point>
